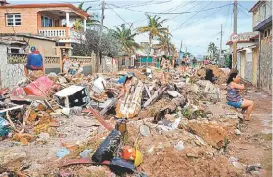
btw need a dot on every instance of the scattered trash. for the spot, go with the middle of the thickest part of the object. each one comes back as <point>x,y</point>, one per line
<point>4,127</point>
<point>238,165</point>
<point>237,132</point>
<point>191,155</point>
<point>144,130</point>
<point>108,147</point>
<point>99,85</point>
<point>179,146</point>
<point>251,168</point>
<point>62,152</point>
<point>86,153</point>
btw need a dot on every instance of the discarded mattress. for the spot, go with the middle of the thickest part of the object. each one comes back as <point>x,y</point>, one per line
<point>39,87</point>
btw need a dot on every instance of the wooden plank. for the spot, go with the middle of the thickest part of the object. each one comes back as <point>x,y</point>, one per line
<point>13,108</point>
<point>99,117</point>
<point>113,102</point>
<point>148,91</point>
<point>154,97</point>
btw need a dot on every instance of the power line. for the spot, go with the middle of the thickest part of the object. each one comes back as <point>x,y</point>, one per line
<point>163,13</point>
<point>190,2</point>
<point>189,9</point>
<point>124,7</point>
<point>124,20</point>
<point>119,16</point>
<point>213,13</point>
<point>243,10</point>
<point>190,18</point>
<point>227,18</point>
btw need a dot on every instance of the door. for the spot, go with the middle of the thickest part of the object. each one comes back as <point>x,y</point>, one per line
<point>254,66</point>
<point>243,63</point>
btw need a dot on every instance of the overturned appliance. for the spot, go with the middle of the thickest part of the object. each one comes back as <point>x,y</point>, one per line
<point>73,96</point>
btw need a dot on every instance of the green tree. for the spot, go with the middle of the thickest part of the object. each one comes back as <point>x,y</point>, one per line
<point>165,44</point>
<point>154,28</point>
<point>126,38</point>
<point>212,50</point>
<point>89,21</point>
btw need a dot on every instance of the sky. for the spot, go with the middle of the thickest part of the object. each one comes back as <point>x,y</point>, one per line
<point>195,28</point>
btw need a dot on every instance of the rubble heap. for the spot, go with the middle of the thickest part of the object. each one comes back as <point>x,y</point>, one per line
<point>128,121</point>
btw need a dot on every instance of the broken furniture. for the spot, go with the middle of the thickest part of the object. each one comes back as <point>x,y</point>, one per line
<point>73,96</point>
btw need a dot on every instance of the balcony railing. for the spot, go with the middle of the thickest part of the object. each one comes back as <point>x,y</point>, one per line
<point>54,31</point>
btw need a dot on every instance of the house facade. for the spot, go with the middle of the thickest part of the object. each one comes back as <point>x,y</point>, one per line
<point>247,55</point>
<point>49,20</point>
<point>262,23</point>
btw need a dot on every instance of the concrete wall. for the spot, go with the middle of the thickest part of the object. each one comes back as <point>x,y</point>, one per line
<point>265,65</point>
<point>108,65</point>
<point>10,74</point>
<point>46,47</point>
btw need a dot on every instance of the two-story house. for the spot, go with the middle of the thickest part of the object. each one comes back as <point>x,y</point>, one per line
<point>262,22</point>
<point>50,20</point>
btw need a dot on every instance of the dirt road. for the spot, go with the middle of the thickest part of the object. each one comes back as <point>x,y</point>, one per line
<point>255,144</point>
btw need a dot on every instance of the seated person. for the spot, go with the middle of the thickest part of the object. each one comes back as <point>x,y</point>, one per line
<point>210,76</point>
<point>73,68</point>
<point>34,61</point>
<point>80,68</point>
<point>233,95</point>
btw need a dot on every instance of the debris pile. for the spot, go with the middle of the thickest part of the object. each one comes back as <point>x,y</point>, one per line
<point>130,122</point>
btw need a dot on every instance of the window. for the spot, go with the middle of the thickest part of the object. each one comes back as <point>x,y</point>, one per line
<point>123,61</point>
<point>47,22</point>
<point>14,50</point>
<point>13,19</point>
<point>264,11</point>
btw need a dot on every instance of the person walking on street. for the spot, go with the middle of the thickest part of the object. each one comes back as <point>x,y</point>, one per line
<point>183,63</point>
<point>194,62</point>
<point>34,61</point>
<point>233,94</point>
<point>165,65</point>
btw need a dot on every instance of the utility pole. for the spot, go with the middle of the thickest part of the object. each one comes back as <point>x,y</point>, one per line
<point>220,52</point>
<point>168,41</point>
<point>235,12</point>
<point>101,28</point>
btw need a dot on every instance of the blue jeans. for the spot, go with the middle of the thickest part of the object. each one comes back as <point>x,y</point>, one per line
<point>235,104</point>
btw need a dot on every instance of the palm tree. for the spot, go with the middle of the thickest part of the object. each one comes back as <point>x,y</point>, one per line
<point>81,7</point>
<point>154,28</point>
<point>89,21</point>
<point>126,38</point>
<point>212,50</point>
<point>78,25</point>
<point>165,44</point>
